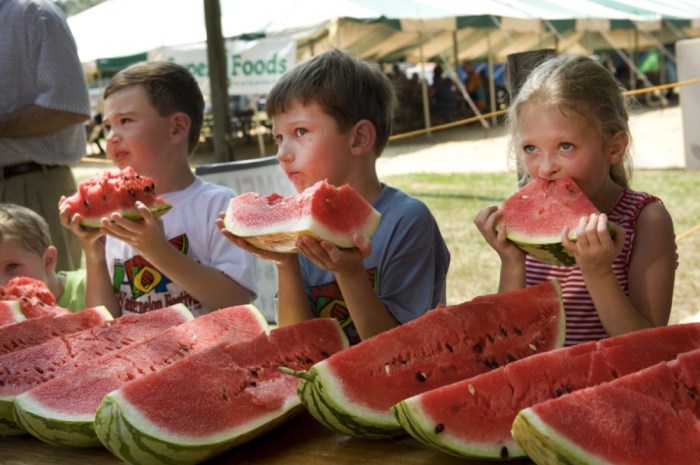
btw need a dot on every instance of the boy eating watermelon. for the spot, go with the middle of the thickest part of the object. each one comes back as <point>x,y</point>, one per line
<point>153,115</point>
<point>331,117</point>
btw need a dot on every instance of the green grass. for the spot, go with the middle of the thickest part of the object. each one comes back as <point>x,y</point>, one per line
<point>456,198</point>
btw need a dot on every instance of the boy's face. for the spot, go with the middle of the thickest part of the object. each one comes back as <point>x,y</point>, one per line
<point>137,135</point>
<point>16,260</point>
<point>310,148</point>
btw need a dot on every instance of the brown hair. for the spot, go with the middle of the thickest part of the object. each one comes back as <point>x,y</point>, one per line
<point>170,87</point>
<point>347,88</point>
<point>582,85</point>
<point>18,222</point>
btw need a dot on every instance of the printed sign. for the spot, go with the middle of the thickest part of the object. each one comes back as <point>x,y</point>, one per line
<point>253,66</point>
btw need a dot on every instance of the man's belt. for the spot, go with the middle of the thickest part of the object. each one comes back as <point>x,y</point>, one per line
<point>22,168</point>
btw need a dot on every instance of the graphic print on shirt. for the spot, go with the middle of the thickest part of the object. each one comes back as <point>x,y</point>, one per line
<point>142,278</point>
<point>328,301</point>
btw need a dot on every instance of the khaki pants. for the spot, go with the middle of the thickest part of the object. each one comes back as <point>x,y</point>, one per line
<point>41,191</point>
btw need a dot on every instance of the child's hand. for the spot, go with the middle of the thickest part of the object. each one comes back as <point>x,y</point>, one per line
<point>329,257</point>
<point>594,249</point>
<point>144,236</point>
<point>276,257</point>
<point>91,239</point>
<point>486,221</point>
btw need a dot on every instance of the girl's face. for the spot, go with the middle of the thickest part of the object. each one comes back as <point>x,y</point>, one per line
<point>555,142</point>
<point>137,135</point>
<point>16,260</point>
<point>310,147</point>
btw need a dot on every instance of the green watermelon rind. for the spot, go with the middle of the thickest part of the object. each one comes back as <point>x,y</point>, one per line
<point>8,423</point>
<point>128,434</point>
<point>548,249</point>
<point>325,400</point>
<point>130,214</point>
<point>53,427</point>
<point>545,446</point>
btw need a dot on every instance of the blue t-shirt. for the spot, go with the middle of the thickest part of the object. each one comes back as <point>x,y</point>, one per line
<point>407,266</point>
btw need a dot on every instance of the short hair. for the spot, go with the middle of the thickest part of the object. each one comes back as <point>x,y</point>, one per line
<point>18,222</point>
<point>346,87</point>
<point>584,86</point>
<point>170,87</point>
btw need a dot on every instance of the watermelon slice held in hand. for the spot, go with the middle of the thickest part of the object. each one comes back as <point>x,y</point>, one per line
<point>322,211</point>
<point>535,217</point>
<point>111,191</point>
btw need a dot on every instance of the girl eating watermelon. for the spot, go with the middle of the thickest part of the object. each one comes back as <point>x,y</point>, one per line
<point>570,119</point>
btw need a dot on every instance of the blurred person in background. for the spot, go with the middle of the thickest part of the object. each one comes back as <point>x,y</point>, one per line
<point>43,106</point>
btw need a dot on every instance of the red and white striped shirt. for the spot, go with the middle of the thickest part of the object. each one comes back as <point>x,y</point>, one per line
<point>582,321</point>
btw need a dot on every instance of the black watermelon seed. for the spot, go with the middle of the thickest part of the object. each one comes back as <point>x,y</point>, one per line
<point>439,428</point>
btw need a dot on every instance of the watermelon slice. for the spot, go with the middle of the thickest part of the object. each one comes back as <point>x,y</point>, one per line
<point>537,214</point>
<point>212,401</point>
<point>114,191</point>
<point>437,417</point>
<point>651,416</point>
<point>25,369</point>
<point>35,297</point>
<point>353,391</point>
<point>10,312</point>
<point>62,410</point>
<point>322,211</point>
<point>34,331</point>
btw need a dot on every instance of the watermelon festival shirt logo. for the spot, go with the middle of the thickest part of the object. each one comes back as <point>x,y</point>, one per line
<point>328,302</point>
<point>146,287</point>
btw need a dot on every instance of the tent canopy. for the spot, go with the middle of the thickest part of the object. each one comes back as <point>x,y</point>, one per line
<point>393,30</point>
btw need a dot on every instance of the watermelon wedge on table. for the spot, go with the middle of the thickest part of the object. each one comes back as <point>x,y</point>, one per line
<point>536,215</point>
<point>62,410</point>
<point>648,417</point>
<point>114,191</point>
<point>25,369</point>
<point>212,401</point>
<point>10,312</point>
<point>34,331</point>
<point>322,211</point>
<point>353,391</point>
<point>473,418</point>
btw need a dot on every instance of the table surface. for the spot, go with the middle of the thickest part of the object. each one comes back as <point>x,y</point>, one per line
<point>300,441</point>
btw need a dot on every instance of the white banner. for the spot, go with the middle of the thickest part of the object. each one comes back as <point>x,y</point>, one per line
<point>253,66</point>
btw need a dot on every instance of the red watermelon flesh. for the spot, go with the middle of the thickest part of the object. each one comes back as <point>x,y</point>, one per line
<point>10,312</point>
<point>650,416</point>
<point>25,369</point>
<point>35,297</point>
<point>536,215</point>
<point>437,417</point>
<point>70,401</point>
<point>358,386</point>
<point>322,211</point>
<point>114,191</point>
<point>216,399</point>
<point>34,331</point>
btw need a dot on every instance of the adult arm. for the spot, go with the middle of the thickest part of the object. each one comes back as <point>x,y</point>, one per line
<point>35,120</point>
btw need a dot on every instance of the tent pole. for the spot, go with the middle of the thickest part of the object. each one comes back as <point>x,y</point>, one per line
<point>216,55</point>
<point>424,86</point>
<point>492,77</point>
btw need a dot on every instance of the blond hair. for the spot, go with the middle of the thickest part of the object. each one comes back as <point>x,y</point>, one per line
<point>18,222</point>
<point>582,85</point>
